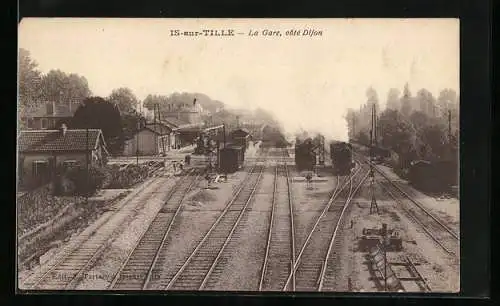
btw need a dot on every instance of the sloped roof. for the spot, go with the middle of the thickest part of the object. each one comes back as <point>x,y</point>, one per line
<point>175,122</point>
<point>158,128</point>
<point>240,131</point>
<point>54,140</point>
<point>189,129</point>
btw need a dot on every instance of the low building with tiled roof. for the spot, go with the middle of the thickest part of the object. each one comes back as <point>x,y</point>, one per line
<point>41,152</point>
<point>151,139</point>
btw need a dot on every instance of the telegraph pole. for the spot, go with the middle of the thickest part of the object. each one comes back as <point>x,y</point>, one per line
<point>87,163</point>
<point>449,126</point>
<point>224,132</point>
<point>353,126</point>
<point>137,144</point>
<point>374,123</point>
<point>384,247</point>
<point>162,136</point>
<point>373,205</point>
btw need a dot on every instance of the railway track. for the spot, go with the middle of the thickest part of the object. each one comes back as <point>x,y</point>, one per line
<point>279,257</point>
<point>137,270</point>
<point>312,262</point>
<point>435,228</point>
<point>327,280</point>
<point>67,268</point>
<point>195,272</point>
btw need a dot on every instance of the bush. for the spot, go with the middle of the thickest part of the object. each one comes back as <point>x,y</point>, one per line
<point>85,183</point>
<point>118,177</point>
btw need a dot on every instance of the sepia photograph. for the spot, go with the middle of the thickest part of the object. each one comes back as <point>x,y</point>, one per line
<point>259,155</point>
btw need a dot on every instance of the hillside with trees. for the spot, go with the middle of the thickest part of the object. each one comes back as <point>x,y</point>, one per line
<point>36,88</point>
<point>414,127</point>
<point>176,101</point>
<point>118,114</point>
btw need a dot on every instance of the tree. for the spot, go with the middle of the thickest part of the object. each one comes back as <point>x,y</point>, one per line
<point>419,120</point>
<point>97,113</point>
<point>29,81</point>
<point>60,87</point>
<point>426,102</point>
<point>363,138</point>
<point>406,102</point>
<point>351,123</point>
<point>131,122</point>
<point>372,99</point>
<point>447,99</point>
<point>396,133</point>
<point>124,99</point>
<point>393,99</point>
<point>435,137</point>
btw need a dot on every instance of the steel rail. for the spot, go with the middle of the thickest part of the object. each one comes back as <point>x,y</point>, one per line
<point>334,235</point>
<point>270,231</point>
<point>65,256</point>
<point>415,219</point>
<point>242,212</point>
<point>205,237</point>
<point>271,224</point>
<point>327,206</point>
<point>170,224</point>
<point>444,226</point>
<point>292,226</point>
<point>124,264</point>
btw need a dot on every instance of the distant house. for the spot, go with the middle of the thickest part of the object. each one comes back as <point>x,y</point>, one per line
<point>49,116</point>
<point>152,139</point>
<point>190,113</point>
<point>41,152</point>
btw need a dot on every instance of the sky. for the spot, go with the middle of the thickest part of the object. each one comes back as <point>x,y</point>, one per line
<point>306,82</point>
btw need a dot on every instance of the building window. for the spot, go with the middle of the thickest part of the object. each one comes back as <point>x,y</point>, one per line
<point>44,123</point>
<point>40,168</point>
<point>67,164</point>
<point>30,123</point>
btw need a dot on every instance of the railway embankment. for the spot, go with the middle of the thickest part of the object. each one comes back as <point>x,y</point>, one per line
<point>446,208</point>
<point>47,222</point>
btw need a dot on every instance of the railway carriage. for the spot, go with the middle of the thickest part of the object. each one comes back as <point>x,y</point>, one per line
<point>433,176</point>
<point>231,158</point>
<point>341,156</point>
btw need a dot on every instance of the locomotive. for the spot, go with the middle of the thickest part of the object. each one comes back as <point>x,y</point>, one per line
<point>305,158</point>
<point>341,156</point>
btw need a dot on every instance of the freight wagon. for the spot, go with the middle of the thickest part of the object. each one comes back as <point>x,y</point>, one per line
<point>231,158</point>
<point>341,156</point>
<point>433,176</point>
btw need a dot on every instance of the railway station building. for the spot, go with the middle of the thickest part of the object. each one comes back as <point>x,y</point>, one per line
<point>160,137</point>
